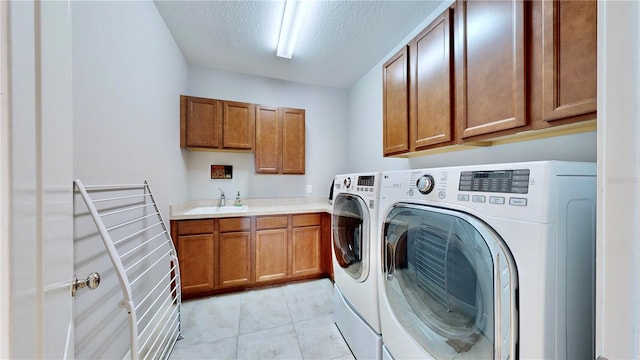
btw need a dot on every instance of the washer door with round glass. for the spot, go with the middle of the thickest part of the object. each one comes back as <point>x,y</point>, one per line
<point>451,282</point>
<point>351,235</point>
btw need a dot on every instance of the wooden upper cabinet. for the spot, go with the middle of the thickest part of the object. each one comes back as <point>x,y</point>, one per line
<point>200,125</point>
<point>395,104</point>
<point>238,125</point>
<point>431,85</point>
<point>268,154</point>
<point>490,66</point>
<point>569,61</point>
<point>216,124</point>
<point>280,140</point>
<point>293,141</point>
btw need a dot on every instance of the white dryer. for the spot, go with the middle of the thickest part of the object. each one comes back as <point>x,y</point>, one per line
<point>355,262</point>
<point>489,262</point>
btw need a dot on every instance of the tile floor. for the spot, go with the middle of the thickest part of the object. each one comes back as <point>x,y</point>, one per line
<point>292,321</point>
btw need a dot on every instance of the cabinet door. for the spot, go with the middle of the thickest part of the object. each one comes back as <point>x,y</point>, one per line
<point>293,141</point>
<point>305,251</point>
<point>268,154</point>
<point>200,125</point>
<point>234,259</point>
<point>271,255</point>
<point>196,256</point>
<point>395,94</point>
<point>238,125</point>
<point>490,66</point>
<point>569,69</point>
<point>431,85</point>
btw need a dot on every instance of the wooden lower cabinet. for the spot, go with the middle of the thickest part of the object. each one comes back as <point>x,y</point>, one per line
<point>234,259</point>
<point>196,262</point>
<point>230,254</point>
<point>306,259</point>
<point>272,248</point>
<point>271,255</point>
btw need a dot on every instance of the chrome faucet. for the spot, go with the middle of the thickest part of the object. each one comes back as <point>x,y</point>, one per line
<point>221,197</point>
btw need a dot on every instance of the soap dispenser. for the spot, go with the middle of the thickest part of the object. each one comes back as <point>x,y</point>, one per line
<point>237,202</point>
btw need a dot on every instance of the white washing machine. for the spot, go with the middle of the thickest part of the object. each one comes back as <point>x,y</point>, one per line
<point>489,262</point>
<point>355,262</point>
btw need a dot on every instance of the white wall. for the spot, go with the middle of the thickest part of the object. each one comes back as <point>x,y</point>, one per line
<point>5,279</point>
<point>365,127</point>
<point>326,137</point>
<point>576,147</point>
<point>365,152</point>
<point>128,74</point>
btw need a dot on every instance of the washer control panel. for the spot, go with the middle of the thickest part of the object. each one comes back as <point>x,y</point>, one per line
<point>503,188</point>
<point>495,181</point>
<point>425,184</point>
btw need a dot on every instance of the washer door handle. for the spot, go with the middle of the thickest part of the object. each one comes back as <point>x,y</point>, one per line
<point>389,256</point>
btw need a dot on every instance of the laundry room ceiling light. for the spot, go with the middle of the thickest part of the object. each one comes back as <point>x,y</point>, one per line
<point>294,13</point>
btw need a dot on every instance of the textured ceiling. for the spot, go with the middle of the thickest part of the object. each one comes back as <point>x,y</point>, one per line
<point>340,42</point>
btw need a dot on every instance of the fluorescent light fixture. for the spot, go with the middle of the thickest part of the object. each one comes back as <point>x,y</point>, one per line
<point>292,21</point>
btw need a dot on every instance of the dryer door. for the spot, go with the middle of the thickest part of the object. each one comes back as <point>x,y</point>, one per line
<point>451,283</point>
<point>350,225</point>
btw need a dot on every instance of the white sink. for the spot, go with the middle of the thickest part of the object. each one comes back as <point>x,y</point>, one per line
<point>203,210</point>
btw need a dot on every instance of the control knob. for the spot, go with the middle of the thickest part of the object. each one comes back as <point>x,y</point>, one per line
<point>425,184</point>
<point>347,182</point>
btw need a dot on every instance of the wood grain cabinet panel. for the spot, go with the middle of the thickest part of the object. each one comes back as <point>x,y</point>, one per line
<point>293,141</point>
<point>268,154</point>
<point>280,141</point>
<point>305,251</point>
<point>271,255</point>
<point>486,70</point>
<point>195,255</point>
<point>193,227</point>
<point>306,220</point>
<point>234,251</point>
<point>570,58</point>
<point>431,85</point>
<point>216,124</point>
<point>395,104</point>
<point>238,125</point>
<point>490,66</point>
<point>200,125</point>
<point>244,252</point>
<point>272,222</point>
<point>234,224</point>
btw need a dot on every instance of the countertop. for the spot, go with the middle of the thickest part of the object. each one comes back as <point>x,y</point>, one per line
<point>256,207</point>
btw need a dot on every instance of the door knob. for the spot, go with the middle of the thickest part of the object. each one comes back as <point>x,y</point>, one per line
<point>92,281</point>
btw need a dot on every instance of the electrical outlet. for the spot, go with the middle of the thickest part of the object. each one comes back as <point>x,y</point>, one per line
<point>308,188</point>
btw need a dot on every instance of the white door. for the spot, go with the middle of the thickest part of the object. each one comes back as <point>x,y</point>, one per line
<point>350,236</point>
<point>37,197</point>
<point>450,282</point>
<point>618,254</point>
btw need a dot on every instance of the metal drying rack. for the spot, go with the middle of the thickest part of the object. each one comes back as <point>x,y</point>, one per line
<point>145,261</point>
